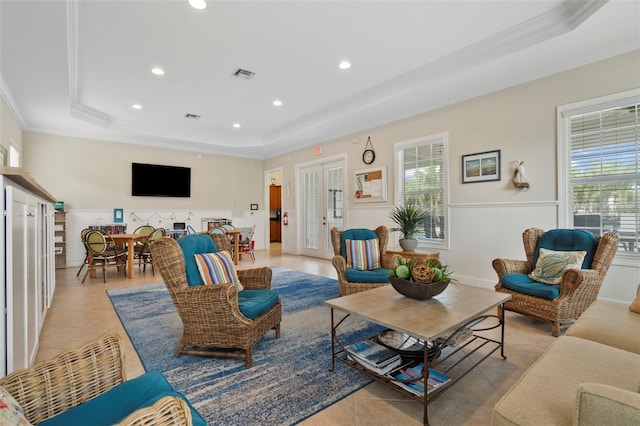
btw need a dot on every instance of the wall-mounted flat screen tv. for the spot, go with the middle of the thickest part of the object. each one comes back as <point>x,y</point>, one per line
<point>155,180</point>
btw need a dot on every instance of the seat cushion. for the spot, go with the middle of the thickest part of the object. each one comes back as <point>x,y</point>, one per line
<point>376,276</point>
<point>521,283</point>
<point>195,244</point>
<point>116,404</point>
<point>568,240</point>
<point>610,323</point>
<point>253,303</point>
<point>546,393</point>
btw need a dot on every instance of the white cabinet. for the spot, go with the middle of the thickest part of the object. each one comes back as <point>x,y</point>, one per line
<point>27,262</point>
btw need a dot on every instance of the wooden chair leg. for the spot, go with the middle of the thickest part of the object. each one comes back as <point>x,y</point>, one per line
<point>555,328</point>
<point>248,361</point>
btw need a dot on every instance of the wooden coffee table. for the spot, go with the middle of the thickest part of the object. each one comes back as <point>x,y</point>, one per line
<point>427,320</point>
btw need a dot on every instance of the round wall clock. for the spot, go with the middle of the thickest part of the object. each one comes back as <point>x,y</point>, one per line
<point>369,155</point>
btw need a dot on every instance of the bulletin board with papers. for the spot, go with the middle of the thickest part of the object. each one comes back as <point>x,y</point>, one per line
<point>370,185</point>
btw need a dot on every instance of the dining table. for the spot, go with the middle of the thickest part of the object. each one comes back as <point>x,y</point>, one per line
<point>130,241</point>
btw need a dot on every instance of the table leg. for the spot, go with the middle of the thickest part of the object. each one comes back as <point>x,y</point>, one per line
<point>130,258</point>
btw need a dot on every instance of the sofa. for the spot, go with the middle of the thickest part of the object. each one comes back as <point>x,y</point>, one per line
<point>589,376</point>
<point>86,386</point>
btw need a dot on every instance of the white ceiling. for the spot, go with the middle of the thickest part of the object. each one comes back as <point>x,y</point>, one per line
<point>76,67</point>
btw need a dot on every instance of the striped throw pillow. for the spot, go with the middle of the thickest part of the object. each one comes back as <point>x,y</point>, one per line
<point>217,268</point>
<point>363,255</point>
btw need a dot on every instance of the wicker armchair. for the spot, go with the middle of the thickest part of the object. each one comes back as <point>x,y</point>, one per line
<point>212,322</point>
<point>578,287</point>
<point>73,377</point>
<point>339,261</point>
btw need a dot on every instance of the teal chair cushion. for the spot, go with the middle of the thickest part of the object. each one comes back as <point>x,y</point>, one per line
<point>191,245</point>
<point>521,283</point>
<point>376,276</point>
<point>355,234</point>
<point>568,240</point>
<point>116,404</point>
<point>253,303</point>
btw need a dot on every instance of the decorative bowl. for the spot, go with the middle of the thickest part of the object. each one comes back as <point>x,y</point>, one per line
<point>418,290</point>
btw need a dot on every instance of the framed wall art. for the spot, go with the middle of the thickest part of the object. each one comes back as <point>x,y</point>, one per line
<point>370,185</point>
<point>481,167</point>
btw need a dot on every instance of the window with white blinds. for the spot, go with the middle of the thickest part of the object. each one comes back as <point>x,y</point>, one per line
<point>422,182</point>
<point>604,172</point>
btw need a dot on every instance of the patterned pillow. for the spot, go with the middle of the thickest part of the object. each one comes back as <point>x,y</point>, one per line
<point>217,268</point>
<point>10,411</point>
<point>363,255</point>
<point>552,264</point>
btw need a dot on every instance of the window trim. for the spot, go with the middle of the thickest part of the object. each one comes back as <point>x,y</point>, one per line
<point>563,115</point>
<point>398,147</point>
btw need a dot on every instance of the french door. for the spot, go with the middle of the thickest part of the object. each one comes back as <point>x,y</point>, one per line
<point>322,206</point>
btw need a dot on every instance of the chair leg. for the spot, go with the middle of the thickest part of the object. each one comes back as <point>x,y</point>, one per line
<point>82,266</point>
<point>555,328</point>
<point>248,361</point>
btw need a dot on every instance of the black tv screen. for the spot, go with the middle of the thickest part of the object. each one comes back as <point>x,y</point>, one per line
<point>154,180</point>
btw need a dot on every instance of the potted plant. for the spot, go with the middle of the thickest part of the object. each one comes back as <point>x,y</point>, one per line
<point>420,279</point>
<point>409,219</point>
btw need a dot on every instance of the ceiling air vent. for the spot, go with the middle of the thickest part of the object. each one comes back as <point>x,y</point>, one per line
<point>246,74</point>
<point>192,116</point>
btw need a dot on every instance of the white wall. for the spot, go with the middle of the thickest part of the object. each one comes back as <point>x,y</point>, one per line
<point>486,219</point>
<point>93,177</point>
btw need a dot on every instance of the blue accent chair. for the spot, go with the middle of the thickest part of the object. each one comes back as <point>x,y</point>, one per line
<point>560,303</point>
<point>351,280</point>
<point>217,320</point>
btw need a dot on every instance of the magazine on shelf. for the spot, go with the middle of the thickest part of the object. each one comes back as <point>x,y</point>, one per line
<point>374,356</point>
<point>413,370</point>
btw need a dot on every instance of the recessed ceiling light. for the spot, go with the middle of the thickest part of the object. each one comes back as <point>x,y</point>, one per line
<point>277,102</point>
<point>198,4</point>
<point>158,71</point>
<point>136,106</point>
<point>344,65</point>
<point>236,125</point>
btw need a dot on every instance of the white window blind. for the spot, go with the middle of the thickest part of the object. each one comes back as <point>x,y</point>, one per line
<point>604,179</point>
<point>423,183</point>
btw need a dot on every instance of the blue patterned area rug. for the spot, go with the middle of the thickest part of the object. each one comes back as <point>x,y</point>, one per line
<point>289,380</point>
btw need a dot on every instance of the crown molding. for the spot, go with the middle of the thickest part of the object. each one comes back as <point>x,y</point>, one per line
<point>78,109</point>
<point>10,102</point>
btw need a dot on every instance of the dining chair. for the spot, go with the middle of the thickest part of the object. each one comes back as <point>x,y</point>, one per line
<point>143,253</point>
<point>103,253</point>
<point>246,245</point>
<point>85,262</point>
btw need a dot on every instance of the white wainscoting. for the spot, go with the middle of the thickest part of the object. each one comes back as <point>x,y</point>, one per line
<point>79,219</point>
<point>479,233</point>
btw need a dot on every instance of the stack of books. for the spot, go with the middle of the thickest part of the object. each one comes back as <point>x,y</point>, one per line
<point>374,356</point>
<point>413,370</point>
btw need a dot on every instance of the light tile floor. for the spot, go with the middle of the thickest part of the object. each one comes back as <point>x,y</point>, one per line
<point>83,312</point>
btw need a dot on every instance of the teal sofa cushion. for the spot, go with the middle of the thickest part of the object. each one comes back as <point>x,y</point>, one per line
<point>116,404</point>
<point>191,245</point>
<point>376,276</point>
<point>355,234</point>
<point>568,240</point>
<point>253,303</point>
<point>523,284</point>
